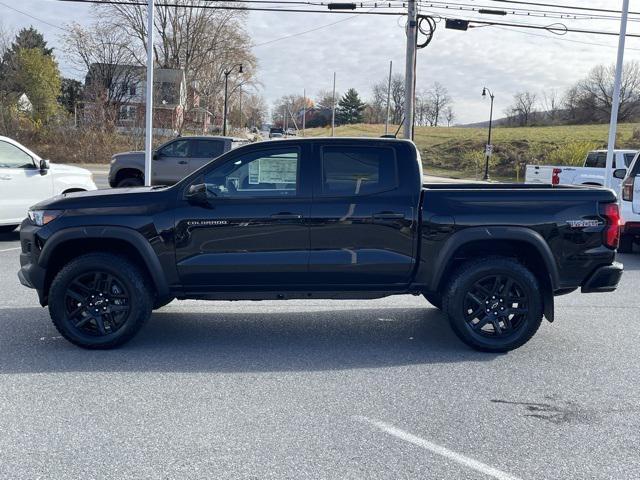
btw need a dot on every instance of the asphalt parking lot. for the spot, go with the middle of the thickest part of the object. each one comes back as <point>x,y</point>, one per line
<point>320,389</point>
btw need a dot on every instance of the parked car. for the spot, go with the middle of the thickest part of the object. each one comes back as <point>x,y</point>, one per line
<point>592,173</point>
<point>276,132</point>
<point>630,207</point>
<point>26,179</point>
<point>291,132</point>
<point>320,218</point>
<point>172,161</point>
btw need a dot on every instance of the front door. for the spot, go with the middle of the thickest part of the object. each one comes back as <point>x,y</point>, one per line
<point>171,162</point>
<point>253,230</point>
<point>21,184</point>
<point>362,220</point>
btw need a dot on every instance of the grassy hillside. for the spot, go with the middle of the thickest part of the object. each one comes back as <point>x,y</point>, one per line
<point>460,151</point>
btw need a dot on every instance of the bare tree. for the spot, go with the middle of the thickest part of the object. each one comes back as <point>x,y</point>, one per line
<point>449,115</point>
<point>112,71</point>
<point>597,89</point>
<point>439,99</point>
<point>522,109</point>
<point>204,42</point>
<point>551,104</point>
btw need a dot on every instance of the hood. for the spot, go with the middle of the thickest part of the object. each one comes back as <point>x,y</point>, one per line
<point>108,198</point>
<point>68,169</point>
<point>132,152</point>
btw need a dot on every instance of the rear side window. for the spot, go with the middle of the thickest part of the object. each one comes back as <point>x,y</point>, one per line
<point>596,160</point>
<point>207,148</point>
<point>349,171</point>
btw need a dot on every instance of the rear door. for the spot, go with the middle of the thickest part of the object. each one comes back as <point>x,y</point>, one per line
<point>363,214</point>
<point>203,150</point>
<point>21,184</point>
<point>254,230</point>
<point>171,162</point>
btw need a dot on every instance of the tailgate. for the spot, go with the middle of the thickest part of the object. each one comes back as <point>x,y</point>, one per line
<point>538,174</point>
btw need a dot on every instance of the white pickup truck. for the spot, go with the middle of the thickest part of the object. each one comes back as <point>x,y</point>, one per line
<point>27,179</point>
<point>592,173</point>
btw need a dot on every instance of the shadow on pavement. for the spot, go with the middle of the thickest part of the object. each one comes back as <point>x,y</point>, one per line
<point>9,237</point>
<point>631,261</point>
<point>234,342</point>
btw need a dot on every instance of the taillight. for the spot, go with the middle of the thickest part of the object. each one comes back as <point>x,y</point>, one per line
<point>611,213</point>
<point>555,176</point>
<point>627,189</point>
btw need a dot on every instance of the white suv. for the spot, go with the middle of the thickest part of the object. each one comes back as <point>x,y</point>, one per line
<point>26,179</point>
<point>630,208</point>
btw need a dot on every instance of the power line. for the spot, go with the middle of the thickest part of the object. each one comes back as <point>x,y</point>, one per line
<point>32,17</point>
<point>226,7</point>
<point>573,7</point>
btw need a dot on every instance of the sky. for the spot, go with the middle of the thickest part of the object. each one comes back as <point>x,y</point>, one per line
<point>358,48</point>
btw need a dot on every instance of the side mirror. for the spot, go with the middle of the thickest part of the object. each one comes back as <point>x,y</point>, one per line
<point>155,156</point>
<point>620,173</point>
<point>44,166</point>
<point>199,194</point>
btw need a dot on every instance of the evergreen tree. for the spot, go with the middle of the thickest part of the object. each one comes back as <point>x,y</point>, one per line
<point>38,77</point>
<point>27,38</point>
<point>350,108</point>
<point>71,92</point>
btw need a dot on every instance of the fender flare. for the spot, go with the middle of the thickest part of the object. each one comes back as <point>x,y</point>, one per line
<point>128,235</point>
<point>473,234</point>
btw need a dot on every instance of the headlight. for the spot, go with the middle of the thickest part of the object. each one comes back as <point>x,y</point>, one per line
<point>42,217</point>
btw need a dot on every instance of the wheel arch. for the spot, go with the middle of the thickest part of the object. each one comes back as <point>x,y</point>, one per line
<point>127,172</point>
<point>70,243</point>
<point>525,244</point>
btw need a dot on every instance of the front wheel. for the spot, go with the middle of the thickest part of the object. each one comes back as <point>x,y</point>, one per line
<point>99,301</point>
<point>494,304</point>
<point>130,182</point>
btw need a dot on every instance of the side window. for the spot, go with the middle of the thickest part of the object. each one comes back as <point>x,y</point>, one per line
<point>270,173</point>
<point>179,148</point>
<point>596,160</point>
<point>628,159</point>
<point>348,171</point>
<point>14,157</point>
<point>207,148</point>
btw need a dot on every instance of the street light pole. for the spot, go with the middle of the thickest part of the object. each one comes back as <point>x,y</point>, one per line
<point>148,134</point>
<point>226,97</point>
<point>488,149</point>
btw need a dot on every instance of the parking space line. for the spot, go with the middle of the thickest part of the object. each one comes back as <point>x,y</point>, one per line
<point>438,449</point>
<point>10,249</point>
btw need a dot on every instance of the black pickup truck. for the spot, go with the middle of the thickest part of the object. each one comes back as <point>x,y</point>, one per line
<point>320,218</point>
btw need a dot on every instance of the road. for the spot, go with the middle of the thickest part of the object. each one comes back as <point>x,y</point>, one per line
<point>373,389</point>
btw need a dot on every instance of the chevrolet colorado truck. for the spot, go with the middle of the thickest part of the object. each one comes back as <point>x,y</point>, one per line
<point>320,218</point>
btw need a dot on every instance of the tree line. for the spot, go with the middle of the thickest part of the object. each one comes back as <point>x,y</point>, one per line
<point>588,101</point>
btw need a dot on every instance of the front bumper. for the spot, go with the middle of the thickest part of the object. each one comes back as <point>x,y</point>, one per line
<point>31,274</point>
<point>603,279</point>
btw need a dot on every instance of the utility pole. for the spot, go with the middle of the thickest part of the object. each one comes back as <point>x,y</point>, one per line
<point>304,110</point>
<point>226,97</point>
<point>241,126</point>
<point>489,147</point>
<point>333,107</point>
<point>386,120</point>
<point>615,104</point>
<point>410,68</point>
<point>148,134</point>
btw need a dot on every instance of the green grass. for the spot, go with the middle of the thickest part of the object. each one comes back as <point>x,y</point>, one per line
<point>460,151</point>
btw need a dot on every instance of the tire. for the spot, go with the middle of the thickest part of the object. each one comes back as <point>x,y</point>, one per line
<point>129,182</point>
<point>626,244</point>
<point>494,304</point>
<point>434,299</point>
<point>7,228</point>
<point>162,302</point>
<point>121,300</point>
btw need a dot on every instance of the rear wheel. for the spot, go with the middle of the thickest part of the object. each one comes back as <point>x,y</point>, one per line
<point>626,244</point>
<point>494,304</point>
<point>99,301</point>
<point>130,182</point>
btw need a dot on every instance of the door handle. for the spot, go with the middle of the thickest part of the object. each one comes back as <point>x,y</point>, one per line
<point>182,162</point>
<point>388,215</point>
<point>286,216</point>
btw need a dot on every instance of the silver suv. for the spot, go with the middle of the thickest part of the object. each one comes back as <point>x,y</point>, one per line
<point>171,162</point>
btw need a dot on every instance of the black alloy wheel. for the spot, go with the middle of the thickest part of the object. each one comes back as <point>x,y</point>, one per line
<point>496,306</point>
<point>97,303</point>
